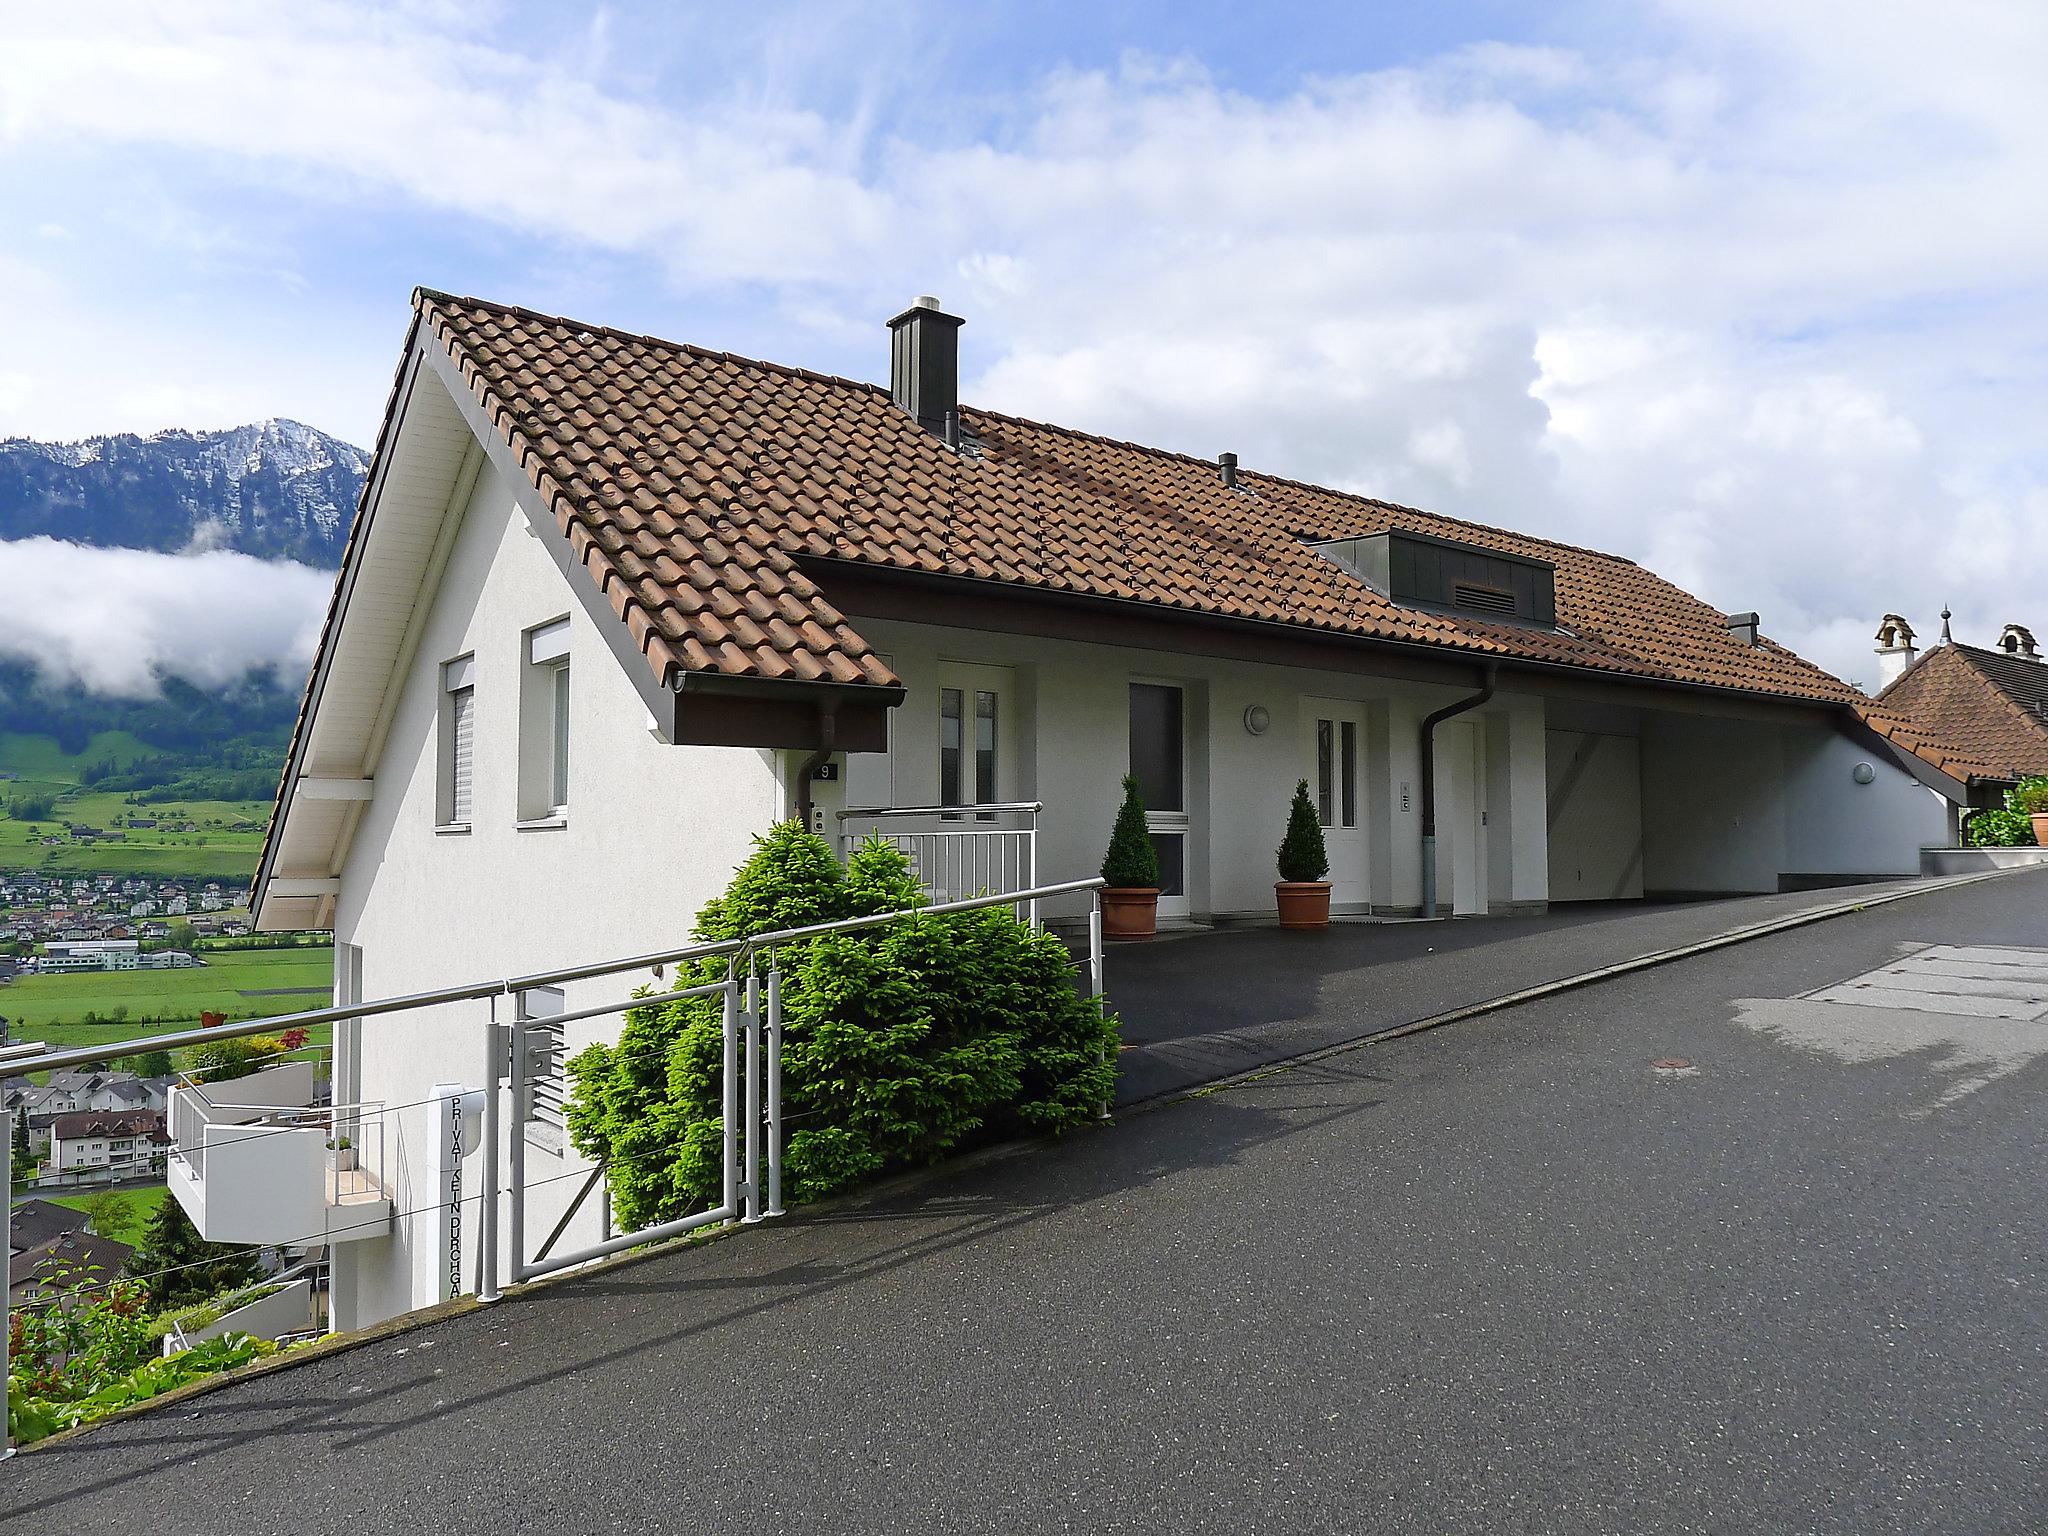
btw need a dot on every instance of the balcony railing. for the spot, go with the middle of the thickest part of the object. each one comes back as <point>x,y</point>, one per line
<point>957,851</point>
<point>255,1161</point>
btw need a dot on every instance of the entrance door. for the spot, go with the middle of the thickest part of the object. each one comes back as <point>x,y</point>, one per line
<point>977,735</point>
<point>1159,759</point>
<point>1335,748</point>
<point>1461,815</point>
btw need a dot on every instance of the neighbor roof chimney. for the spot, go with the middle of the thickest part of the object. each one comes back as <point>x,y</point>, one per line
<point>1895,650</point>
<point>1743,626</point>
<point>2018,640</point>
<point>924,362</point>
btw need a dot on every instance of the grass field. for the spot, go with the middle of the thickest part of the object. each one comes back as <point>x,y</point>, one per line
<point>142,1204</point>
<point>217,850</point>
<point>126,1003</point>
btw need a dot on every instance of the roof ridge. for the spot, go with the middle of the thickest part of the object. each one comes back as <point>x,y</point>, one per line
<point>1083,435</point>
<point>668,343</point>
<point>1295,483</point>
<point>2032,721</point>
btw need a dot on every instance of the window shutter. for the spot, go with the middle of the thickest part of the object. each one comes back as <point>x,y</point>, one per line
<point>462,717</point>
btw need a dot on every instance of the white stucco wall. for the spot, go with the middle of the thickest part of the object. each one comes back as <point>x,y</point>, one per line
<point>1732,805</point>
<point>1074,704</point>
<point>653,831</point>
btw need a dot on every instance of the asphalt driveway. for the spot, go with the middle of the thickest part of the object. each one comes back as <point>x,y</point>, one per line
<point>1508,1276</point>
<point>1197,1006</point>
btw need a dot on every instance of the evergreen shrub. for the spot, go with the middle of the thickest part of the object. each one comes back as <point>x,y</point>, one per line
<point>901,1043</point>
<point>1301,855</point>
<point>1132,863</point>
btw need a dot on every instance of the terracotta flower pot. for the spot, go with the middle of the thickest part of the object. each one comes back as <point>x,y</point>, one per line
<point>1130,912</point>
<point>2040,821</point>
<point>1303,903</point>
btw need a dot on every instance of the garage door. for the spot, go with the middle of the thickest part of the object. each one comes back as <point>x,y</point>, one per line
<point>1596,817</point>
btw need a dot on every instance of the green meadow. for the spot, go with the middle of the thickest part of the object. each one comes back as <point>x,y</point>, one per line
<point>240,983</point>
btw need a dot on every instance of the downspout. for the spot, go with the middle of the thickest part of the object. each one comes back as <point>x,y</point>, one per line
<point>812,764</point>
<point>1429,725</point>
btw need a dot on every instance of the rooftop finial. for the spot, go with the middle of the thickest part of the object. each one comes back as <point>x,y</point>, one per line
<point>1946,637</point>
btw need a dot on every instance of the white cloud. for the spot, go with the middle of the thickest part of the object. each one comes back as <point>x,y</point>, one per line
<point>115,620</point>
<point>1754,294</point>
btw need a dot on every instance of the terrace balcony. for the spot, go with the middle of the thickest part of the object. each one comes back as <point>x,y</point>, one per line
<point>253,1161</point>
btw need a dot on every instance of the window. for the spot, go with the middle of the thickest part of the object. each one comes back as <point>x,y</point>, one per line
<point>544,725</point>
<point>966,779</point>
<point>458,741</point>
<point>1337,773</point>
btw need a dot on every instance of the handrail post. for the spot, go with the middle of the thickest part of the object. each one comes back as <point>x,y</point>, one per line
<point>751,1185</point>
<point>487,1211</point>
<point>515,1214</point>
<point>730,1098</point>
<point>1095,967</point>
<point>774,1087</point>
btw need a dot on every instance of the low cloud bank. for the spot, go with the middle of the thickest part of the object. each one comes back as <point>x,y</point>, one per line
<point>115,620</point>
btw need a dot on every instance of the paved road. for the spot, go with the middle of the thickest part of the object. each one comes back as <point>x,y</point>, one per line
<point>1501,1277</point>
<point>1199,1006</point>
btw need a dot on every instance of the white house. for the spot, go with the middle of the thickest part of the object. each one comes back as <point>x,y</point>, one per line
<point>128,1142</point>
<point>613,605</point>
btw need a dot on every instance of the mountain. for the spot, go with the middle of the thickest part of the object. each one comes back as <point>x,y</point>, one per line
<point>273,489</point>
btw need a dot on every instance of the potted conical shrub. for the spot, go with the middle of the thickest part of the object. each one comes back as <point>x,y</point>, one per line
<point>1130,900</point>
<point>1301,892</point>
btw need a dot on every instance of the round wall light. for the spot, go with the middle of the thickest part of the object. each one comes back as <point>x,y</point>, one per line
<point>1863,773</point>
<point>1257,718</point>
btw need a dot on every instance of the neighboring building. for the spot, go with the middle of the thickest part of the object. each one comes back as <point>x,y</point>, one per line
<point>130,1141</point>
<point>36,1222</point>
<point>75,1260</point>
<point>1989,702</point>
<point>612,606</point>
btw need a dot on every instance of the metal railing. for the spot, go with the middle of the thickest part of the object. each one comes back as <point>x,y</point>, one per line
<point>957,851</point>
<point>751,1081</point>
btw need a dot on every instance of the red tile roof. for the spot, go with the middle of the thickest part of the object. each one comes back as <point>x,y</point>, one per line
<point>1990,707</point>
<point>693,483</point>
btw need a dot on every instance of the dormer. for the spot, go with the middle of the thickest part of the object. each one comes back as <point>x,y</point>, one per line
<point>1446,576</point>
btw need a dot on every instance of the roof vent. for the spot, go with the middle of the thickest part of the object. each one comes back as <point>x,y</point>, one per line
<point>924,362</point>
<point>1743,626</point>
<point>2018,640</point>
<point>1227,463</point>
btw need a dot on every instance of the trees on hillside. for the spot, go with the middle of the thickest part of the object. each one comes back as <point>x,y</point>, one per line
<point>179,1266</point>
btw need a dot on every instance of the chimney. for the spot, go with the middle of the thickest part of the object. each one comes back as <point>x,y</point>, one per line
<point>1895,650</point>
<point>924,363</point>
<point>1742,626</point>
<point>2018,640</point>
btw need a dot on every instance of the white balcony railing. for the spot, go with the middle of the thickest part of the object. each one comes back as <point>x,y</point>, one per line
<point>254,1161</point>
<point>957,851</point>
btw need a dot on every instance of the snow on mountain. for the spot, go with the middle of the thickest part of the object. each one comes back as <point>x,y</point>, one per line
<point>274,488</point>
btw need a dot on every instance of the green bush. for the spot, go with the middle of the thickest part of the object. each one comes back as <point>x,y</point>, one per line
<point>901,1043</point>
<point>1132,863</point>
<point>2029,795</point>
<point>2012,826</point>
<point>1301,855</point>
<point>222,1061</point>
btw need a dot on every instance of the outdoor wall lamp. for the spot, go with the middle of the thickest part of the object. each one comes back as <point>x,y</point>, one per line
<point>1256,718</point>
<point>1863,773</point>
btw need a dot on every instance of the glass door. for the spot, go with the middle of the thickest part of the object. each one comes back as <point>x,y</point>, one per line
<point>977,746</point>
<point>1335,747</point>
<point>1159,759</point>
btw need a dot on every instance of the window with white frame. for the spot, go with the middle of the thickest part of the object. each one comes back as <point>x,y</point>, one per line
<point>458,742</point>
<point>544,724</point>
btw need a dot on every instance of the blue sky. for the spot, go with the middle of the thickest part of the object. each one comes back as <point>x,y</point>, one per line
<point>1750,292</point>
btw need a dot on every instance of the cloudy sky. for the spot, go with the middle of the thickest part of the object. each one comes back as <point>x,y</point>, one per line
<point>1750,291</point>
